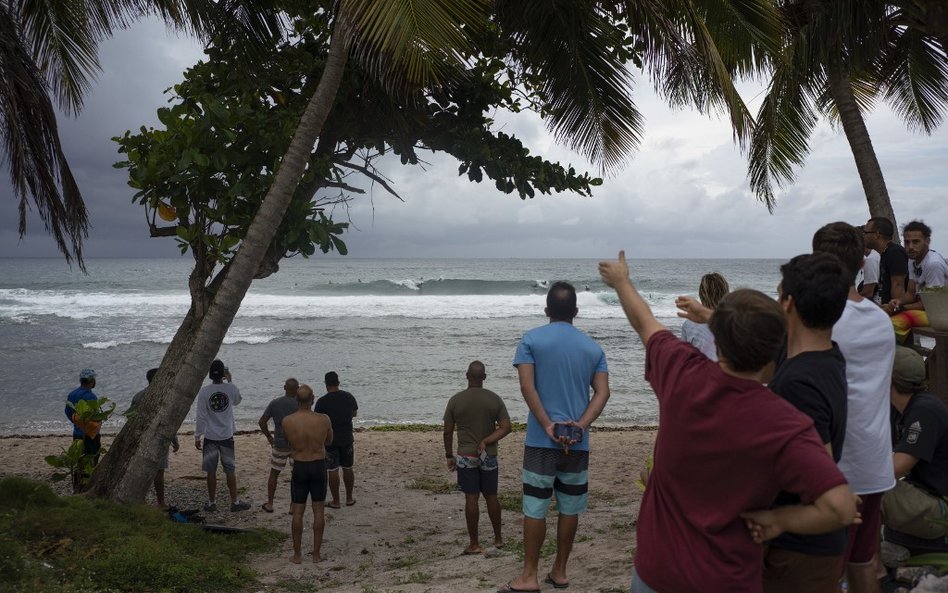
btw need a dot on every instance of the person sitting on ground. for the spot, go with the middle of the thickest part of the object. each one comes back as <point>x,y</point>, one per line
<point>712,289</point>
<point>278,409</point>
<point>714,417</point>
<point>893,262</point>
<point>481,419</point>
<point>160,476</point>
<point>308,433</point>
<point>927,269</point>
<point>920,442</point>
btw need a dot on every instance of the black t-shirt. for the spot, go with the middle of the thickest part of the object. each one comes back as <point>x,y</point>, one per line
<point>922,432</point>
<point>815,383</point>
<point>339,406</point>
<point>892,262</point>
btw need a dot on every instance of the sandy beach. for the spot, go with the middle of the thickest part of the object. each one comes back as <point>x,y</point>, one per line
<point>399,537</point>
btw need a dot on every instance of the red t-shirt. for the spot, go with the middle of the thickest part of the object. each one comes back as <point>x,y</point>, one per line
<point>725,445</point>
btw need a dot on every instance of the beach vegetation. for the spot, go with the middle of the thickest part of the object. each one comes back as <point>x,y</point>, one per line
<point>418,576</point>
<point>515,546</point>
<point>74,462</point>
<point>52,544</point>
<point>398,78</point>
<point>433,485</point>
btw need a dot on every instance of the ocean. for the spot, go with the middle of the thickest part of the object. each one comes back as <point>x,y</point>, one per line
<point>400,333</point>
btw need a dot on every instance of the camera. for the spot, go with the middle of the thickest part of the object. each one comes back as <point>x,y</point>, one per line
<point>571,432</point>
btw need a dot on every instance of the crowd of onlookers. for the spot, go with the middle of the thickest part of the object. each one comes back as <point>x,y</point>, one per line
<point>850,364</point>
<point>795,435</point>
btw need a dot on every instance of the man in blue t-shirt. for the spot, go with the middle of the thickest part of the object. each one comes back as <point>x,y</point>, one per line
<point>88,433</point>
<point>557,364</point>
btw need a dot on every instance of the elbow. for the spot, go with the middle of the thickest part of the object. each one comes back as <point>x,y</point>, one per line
<point>845,509</point>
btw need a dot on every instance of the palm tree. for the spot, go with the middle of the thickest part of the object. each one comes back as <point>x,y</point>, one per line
<point>839,57</point>
<point>576,54</point>
<point>49,47</point>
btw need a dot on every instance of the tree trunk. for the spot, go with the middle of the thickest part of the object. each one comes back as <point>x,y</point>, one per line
<point>873,183</point>
<point>127,470</point>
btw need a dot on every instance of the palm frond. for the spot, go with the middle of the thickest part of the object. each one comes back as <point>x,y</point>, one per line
<point>780,141</point>
<point>64,38</point>
<point>568,49</point>
<point>914,71</point>
<point>37,164</point>
<point>412,43</point>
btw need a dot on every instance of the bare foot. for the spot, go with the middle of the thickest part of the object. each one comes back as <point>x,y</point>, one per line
<point>333,505</point>
<point>499,543</point>
<point>350,502</point>
<point>317,558</point>
<point>296,559</point>
<point>472,550</point>
<point>515,585</point>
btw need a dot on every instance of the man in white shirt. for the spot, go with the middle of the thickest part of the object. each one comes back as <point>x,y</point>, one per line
<point>865,337</point>
<point>927,269</point>
<point>214,421</point>
<point>868,283</point>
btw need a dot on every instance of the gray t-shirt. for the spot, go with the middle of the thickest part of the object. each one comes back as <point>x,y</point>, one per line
<point>278,409</point>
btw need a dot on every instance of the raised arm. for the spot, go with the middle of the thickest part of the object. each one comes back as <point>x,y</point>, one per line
<point>616,275</point>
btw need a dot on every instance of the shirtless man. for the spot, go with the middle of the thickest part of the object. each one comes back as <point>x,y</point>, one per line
<point>307,433</point>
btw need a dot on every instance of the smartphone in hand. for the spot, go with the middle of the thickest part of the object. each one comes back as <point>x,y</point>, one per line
<point>570,431</point>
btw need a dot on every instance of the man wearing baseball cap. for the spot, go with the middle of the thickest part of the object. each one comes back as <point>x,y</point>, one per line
<point>87,432</point>
<point>920,458</point>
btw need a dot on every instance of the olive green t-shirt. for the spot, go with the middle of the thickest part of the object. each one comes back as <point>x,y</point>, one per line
<point>475,413</point>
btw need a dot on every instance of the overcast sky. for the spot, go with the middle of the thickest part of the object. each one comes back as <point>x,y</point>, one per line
<point>683,195</point>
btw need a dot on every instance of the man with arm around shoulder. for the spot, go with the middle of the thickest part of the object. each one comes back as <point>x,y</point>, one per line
<point>692,530</point>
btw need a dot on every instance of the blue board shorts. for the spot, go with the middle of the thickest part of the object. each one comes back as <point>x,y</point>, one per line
<point>546,471</point>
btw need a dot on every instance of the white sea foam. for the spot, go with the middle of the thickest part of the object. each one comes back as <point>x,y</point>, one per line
<point>159,307</point>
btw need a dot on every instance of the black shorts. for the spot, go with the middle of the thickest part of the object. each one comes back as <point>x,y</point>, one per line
<point>309,479</point>
<point>474,480</point>
<point>342,456</point>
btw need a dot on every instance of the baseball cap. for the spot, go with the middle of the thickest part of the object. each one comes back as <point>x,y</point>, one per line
<point>86,374</point>
<point>909,368</point>
<point>217,370</point>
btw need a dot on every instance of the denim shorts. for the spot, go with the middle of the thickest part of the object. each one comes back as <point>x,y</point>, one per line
<point>219,450</point>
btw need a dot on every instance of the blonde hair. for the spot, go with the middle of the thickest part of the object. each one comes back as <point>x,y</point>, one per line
<point>713,288</point>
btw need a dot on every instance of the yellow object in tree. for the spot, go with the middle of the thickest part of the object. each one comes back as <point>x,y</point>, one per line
<point>166,212</point>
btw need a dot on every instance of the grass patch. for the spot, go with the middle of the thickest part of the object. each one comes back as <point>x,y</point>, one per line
<point>416,577</point>
<point>72,544</point>
<point>511,500</point>
<point>516,546</point>
<point>404,562</point>
<point>433,485</point>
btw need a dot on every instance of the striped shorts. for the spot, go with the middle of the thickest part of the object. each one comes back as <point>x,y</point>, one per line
<point>546,471</point>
